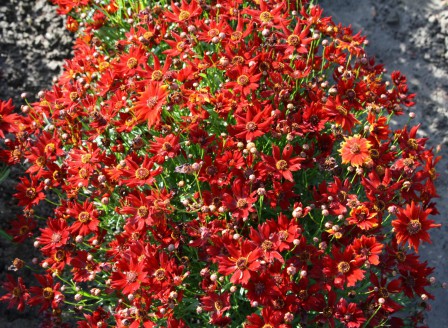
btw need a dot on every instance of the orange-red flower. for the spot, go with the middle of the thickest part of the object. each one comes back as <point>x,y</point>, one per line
<point>412,225</point>
<point>355,151</point>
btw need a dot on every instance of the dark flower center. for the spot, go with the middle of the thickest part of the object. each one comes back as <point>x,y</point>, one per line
<point>414,226</point>
<point>241,263</point>
<point>281,165</point>
<point>141,173</point>
<point>132,63</point>
<point>343,267</point>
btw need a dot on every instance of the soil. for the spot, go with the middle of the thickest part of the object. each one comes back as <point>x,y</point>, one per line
<point>406,35</point>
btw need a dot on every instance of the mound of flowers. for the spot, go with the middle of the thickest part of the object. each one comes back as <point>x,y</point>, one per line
<point>220,164</point>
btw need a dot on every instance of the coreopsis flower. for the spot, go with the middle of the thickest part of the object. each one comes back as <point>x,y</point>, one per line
<point>282,165</point>
<point>240,202</point>
<point>245,81</point>
<point>86,217</point>
<point>55,235</point>
<point>368,248</point>
<point>8,119</point>
<point>185,14</point>
<point>214,302</point>
<point>412,225</point>
<point>162,147</point>
<point>22,228</point>
<point>349,314</point>
<point>384,289</point>
<point>344,267</point>
<point>17,294</point>
<point>254,124</point>
<point>140,175</point>
<point>355,151</point>
<point>29,192</point>
<point>149,104</point>
<point>129,276</point>
<point>47,294</point>
<point>363,217</point>
<point>269,319</point>
<point>241,262</point>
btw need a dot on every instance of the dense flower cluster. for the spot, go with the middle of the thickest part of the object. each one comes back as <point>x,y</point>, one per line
<point>220,163</point>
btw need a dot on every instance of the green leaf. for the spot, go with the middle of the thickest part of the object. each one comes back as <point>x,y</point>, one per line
<point>4,172</point>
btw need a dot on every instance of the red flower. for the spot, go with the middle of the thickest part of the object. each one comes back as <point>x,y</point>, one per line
<point>363,217</point>
<point>8,120</point>
<point>241,262</point>
<point>47,295</point>
<point>17,293</point>
<point>412,225</point>
<point>140,175</point>
<point>344,267</point>
<point>55,235</point>
<point>368,249</point>
<point>284,165</point>
<point>29,192</point>
<point>349,314</point>
<point>86,219</point>
<point>162,147</point>
<point>214,302</point>
<point>149,105</point>
<point>129,276</point>
<point>246,81</point>
<point>255,123</point>
<point>241,200</point>
<point>185,13</point>
<point>355,151</point>
<point>384,290</point>
<point>22,228</point>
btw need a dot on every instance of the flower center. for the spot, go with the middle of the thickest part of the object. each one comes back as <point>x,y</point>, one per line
<point>183,15</point>
<point>167,146</point>
<point>327,312</point>
<point>142,211</point>
<point>242,202</point>
<point>412,143</point>
<point>50,147</point>
<point>355,149</point>
<point>40,161</point>
<point>86,158</point>
<point>83,174</point>
<point>211,170</point>
<point>283,235</point>
<point>24,229</point>
<point>267,245</point>
<point>59,255</point>
<point>236,36</point>
<point>219,305</point>
<point>341,109</point>
<point>414,226</point>
<point>266,17</point>
<point>151,102</point>
<point>30,193</point>
<point>160,274</point>
<point>251,126</point>
<point>84,217</point>
<point>281,165</point>
<point>131,277</point>
<point>242,80</point>
<point>401,257</point>
<point>47,293</point>
<point>73,96</point>
<point>343,267</point>
<point>132,63</point>
<point>180,46</point>
<point>293,40</point>
<point>241,263</point>
<point>383,292</point>
<point>157,75</point>
<point>213,32</point>
<point>56,237</point>
<point>141,173</point>
<point>16,292</point>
